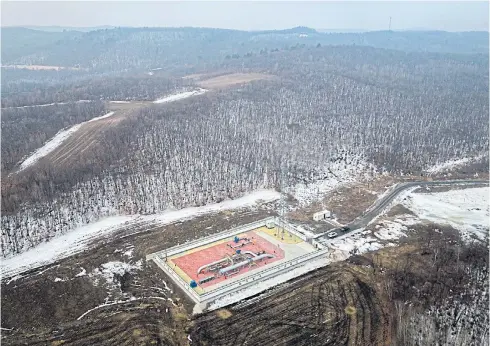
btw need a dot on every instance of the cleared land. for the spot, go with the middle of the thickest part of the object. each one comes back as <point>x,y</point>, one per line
<point>348,302</point>
<point>203,264</point>
<point>83,139</point>
<point>231,79</point>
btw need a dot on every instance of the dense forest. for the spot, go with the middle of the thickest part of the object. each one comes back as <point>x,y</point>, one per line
<point>343,113</point>
<point>133,87</point>
<point>186,48</point>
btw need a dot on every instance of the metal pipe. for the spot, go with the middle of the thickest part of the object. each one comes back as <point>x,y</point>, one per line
<point>244,263</point>
<point>212,263</point>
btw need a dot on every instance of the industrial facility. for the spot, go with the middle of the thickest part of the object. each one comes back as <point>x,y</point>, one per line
<point>222,264</point>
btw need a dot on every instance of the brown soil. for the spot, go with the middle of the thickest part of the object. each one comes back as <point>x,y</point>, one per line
<point>346,303</point>
<point>40,310</point>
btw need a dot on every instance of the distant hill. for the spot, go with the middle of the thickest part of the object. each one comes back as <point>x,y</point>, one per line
<point>127,48</point>
<point>18,42</point>
<point>61,28</point>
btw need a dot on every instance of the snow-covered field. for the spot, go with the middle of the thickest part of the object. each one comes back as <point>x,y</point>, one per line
<point>79,239</point>
<point>180,96</point>
<point>55,142</point>
<point>466,210</point>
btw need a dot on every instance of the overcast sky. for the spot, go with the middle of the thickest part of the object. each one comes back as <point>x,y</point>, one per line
<point>367,15</point>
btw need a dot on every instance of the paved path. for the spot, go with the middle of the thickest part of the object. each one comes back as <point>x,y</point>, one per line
<point>378,207</point>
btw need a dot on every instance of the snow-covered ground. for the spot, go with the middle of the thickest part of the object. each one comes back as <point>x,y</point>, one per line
<point>110,114</point>
<point>78,240</point>
<point>466,210</point>
<point>390,230</point>
<point>55,142</point>
<point>357,243</point>
<point>180,96</point>
<point>47,104</point>
<point>351,169</point>
<point>108,270</point>
<point>49,146</point>
<point>454,163</point>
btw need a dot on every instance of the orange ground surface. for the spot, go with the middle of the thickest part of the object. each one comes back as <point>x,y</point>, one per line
<point>191,262</point>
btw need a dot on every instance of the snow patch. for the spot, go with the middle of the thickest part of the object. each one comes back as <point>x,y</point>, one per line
<point>357,243</point>
<point>128,253</point>
<point>259,196</point>
<point>49,146</point>
<point>82,273</point>
<point>180,96</point>
<point>109,270</point>
<point>454,163</point>
<point>391,230</point>
<point>47,104</point>
<point>60,247</point>
<point>110,114</point>
<point>120,101</point>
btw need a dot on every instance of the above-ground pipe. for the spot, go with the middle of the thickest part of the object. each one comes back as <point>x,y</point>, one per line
<point>211,264</point>
<point>225,270</point>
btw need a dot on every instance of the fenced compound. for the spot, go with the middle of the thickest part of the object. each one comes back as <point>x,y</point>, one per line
<point>206,292</point>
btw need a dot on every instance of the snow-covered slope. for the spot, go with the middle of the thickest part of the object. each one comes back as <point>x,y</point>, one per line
<point>353,168</point>
<point>180,96</point>
<point>454,163</point>
<point>55,142</point>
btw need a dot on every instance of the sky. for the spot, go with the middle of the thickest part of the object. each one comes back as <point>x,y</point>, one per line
<point>248,15</point>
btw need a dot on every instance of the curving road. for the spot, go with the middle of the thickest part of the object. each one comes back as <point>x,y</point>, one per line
<point>380,205</point>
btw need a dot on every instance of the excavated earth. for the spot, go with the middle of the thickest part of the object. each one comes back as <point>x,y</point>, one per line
<point>354,302</point>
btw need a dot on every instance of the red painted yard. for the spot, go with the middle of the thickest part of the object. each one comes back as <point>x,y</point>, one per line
<point>190,263</point>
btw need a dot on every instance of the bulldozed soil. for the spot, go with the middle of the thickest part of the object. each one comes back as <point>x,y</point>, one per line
<point>368,299</point>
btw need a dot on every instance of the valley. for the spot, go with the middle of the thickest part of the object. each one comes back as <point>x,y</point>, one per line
<point>198,186</point>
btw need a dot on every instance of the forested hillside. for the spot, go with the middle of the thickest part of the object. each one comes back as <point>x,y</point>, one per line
<point>181,49</point>
<point>340,113</point>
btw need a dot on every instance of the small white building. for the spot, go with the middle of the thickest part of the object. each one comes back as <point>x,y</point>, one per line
<point>324,214</point>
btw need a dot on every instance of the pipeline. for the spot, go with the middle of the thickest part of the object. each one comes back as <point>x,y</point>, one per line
<point>244,263</point>
<point>211,264</point>
<point>250,253</point>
